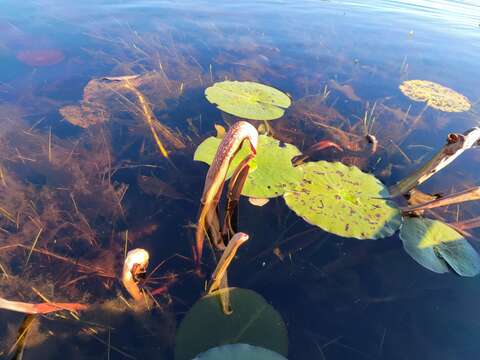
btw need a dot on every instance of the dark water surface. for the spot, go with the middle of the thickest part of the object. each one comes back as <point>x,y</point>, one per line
<point>87,191</point>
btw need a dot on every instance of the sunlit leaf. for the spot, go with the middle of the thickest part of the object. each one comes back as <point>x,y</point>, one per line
<point>435,95</point>
<point>438,247</point>
<point>239,352</point>
<point>253,322</point>
<point>248,100</point>
<point>272,172</point>
<point>344,200</point>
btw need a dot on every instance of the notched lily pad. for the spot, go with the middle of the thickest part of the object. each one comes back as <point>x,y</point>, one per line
<point>438,247</point>
<point>435,95</point>
<point>253,322</point>
<point>248,100</point>
<point>344,200</point>
<point>272,172</point>
<point>239,352</point>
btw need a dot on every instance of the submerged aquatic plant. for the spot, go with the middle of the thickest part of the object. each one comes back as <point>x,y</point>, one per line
<point>248,100</point>
<point>221,270</point>
<point>40,308</point>
<point>100,101</point>
<point>435,95</point>
<point>208,221</point>
<point>219,276</point>
<point>38,58</point>
<point>136,263</point>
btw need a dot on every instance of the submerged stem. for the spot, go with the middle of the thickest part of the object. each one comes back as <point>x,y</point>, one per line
<point>457,198</point>
<point>219,276</point>
<point>42,308</point>
<point>216,176</point>
<point>235,187</point>
<point>135,263</point>
<point>149,117</point>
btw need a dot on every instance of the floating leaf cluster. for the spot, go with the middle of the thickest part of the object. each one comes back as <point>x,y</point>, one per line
<point>344,200</point>
<point>272,170</point>
<point>438,247</point>
<point>253,321</point>
<point>248,100</point>
<point>435,95</point>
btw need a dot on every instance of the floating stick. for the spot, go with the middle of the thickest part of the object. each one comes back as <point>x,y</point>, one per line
<point>456,198</point>
<point>455,146</point>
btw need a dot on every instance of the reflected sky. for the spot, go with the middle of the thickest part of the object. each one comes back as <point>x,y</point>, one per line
<point>460,14</point>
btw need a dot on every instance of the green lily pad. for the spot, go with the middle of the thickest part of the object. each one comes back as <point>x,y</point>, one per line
<point>272,172</point>
<point>239,352</point>
<point>253,322</point>
<point>344,200</point>
<point>248,100</point>
<point>438,247</point>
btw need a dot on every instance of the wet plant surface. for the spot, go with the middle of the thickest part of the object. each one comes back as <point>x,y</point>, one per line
<point>102,108</point>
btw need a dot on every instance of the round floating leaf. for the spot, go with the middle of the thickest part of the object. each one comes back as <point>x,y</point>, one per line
<point>438,247</point>
<point>344,200</point>
<point>435,95</point>
<point>272,172</point>
<point>248,100</point>
<point>239,352</point>
<point>253,322</point>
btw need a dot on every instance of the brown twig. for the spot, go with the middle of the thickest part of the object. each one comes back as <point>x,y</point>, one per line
<point>455,146</point>
<point>456,198</point>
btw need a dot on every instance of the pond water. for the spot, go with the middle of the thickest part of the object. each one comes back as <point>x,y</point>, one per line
<point>82,179</point>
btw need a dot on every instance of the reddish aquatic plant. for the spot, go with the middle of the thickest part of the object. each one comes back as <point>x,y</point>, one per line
<point>136,263</point>
<point>208,220</point>
<point>42,308</point>
<point>221,270</point>
<point>36,58</point>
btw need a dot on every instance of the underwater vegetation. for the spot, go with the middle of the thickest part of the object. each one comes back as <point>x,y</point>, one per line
<point>340,199</point>
<point>40,57</point>
<point>100,228</point>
